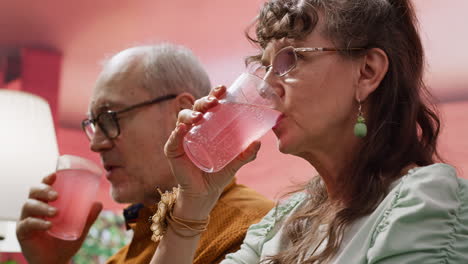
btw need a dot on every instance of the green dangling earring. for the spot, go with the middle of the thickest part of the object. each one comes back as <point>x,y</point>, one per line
<point>360,128</point>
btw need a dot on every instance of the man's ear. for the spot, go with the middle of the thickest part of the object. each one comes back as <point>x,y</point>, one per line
<point>183,101</point>
<point>372,70</point>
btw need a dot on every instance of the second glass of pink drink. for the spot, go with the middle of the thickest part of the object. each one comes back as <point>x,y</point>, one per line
<point>243,116</point>
<point>77,183</point>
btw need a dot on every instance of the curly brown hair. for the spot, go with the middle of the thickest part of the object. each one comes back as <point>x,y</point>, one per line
<point>402,122</point>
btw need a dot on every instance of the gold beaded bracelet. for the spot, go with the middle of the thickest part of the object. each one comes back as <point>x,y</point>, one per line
<point>166,204</point>
<point>163,217</point>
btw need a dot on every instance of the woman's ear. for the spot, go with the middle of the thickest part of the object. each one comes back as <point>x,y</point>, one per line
<point>372,71</point>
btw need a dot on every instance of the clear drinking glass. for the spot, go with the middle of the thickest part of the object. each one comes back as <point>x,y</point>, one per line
<point>243,116</point>
<point>77,184</point>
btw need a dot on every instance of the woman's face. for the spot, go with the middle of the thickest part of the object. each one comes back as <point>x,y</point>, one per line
<point>318,96</point>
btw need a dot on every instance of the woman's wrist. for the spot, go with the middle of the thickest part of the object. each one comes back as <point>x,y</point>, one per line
<point>194,208</point>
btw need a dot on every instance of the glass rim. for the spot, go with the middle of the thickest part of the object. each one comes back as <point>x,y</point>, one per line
<point>88,164</point>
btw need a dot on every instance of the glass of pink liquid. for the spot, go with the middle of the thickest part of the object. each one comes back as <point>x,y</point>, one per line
<point>77,183</point>
<point>243,116</point>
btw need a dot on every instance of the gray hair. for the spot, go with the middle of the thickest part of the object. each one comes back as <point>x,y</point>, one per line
<point>165,69</point>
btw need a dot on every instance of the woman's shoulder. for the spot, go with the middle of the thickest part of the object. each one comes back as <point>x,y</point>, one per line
<point>437,172</point>
<point>278,214</point>
<point>430,190</point>
<point>437,179</point>
<point>427,217</point>
<point>436,183</point>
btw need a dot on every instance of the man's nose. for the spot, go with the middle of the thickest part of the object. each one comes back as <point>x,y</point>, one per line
<point>99,141</point>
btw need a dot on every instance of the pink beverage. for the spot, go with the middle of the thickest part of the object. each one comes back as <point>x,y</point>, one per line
<point>225,131</point>
<point>76,189</point>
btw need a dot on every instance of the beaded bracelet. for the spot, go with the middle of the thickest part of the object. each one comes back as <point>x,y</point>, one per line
<point>163,217</point>
<point>159,225</point>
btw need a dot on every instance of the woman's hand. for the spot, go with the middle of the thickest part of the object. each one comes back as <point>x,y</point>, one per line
<point>199,191</point>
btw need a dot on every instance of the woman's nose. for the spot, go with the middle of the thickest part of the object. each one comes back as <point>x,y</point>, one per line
<point>274,82</point>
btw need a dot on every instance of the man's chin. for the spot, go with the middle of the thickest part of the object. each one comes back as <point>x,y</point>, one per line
<point>121,196</point>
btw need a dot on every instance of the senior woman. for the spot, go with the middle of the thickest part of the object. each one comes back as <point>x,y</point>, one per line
<point>353,103</point>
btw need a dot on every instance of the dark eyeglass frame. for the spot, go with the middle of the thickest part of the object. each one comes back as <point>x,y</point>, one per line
<point>305,49</point>
<point>115,118</point>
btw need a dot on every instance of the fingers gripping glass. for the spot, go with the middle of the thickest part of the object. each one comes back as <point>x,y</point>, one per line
<point>108,121</point>
<point>285,60</point>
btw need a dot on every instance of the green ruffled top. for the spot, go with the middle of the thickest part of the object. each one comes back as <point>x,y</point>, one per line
<point>423,219</point>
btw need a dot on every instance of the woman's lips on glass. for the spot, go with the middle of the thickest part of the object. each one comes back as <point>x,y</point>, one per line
<point>278,120</point>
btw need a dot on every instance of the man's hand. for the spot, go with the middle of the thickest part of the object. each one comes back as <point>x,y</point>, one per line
<point>36,244</point>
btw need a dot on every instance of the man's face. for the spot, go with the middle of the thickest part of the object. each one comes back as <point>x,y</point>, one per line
<point>134,161</point>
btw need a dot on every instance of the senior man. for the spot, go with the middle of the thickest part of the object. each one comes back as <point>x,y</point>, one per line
<point>133,110</point>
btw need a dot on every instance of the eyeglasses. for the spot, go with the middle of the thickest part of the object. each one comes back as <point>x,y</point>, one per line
<point>285,60</point>
<point>108,121</point>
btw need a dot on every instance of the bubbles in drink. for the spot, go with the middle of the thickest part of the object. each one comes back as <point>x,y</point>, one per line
<point>231,128</point>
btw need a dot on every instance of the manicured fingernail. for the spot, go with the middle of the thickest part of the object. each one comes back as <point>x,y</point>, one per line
<point>210,98</point>
<point>51,211</point>
<point>195,114</point>
<point>217,88</point>
<point>47,224</point>
<point>52,194</point>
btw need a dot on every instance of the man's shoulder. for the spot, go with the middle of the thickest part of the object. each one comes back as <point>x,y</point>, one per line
<point>244,201</point>
<point>238,208</point>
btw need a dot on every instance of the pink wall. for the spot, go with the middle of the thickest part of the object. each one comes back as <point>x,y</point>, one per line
<point>40,74</point>
<point>454,136</point>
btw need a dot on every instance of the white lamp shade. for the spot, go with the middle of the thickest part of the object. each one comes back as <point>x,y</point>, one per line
<point>28,148</point>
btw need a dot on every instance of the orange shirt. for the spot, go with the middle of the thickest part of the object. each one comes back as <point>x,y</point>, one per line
<point>237,209</point>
